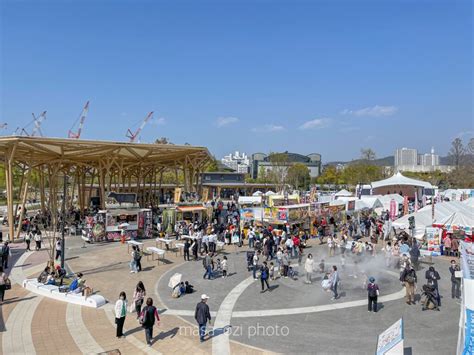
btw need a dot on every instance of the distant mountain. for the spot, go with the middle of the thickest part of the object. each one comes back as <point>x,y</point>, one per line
<point>390,161</point>
<point>387,161</point>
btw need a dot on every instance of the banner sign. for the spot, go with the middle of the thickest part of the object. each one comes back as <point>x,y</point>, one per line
<point>148,224</point>
<point>432,238</point>
<point>469,333</point>
<point>251,214</point>
<point>275,215</point>
<point>393,209</point>
<point>351,205</point>
<point>467,260</point>
<point>405,205</point>
<point>391,340</point>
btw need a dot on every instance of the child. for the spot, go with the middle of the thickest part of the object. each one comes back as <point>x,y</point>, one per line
<point>219,265</point>
<point>224,266</point>
<point>272,271</point>
<point>321,266</point>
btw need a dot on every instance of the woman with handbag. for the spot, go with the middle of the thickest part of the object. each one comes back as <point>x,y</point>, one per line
<point>120,313</point>
<point>139,297</point>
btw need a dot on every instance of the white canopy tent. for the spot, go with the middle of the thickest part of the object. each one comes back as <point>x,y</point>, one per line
<point>457,220</point>
<point>423,217</point>
<point>400,180</point>
<point>257,193</point>
<point>343,193</point>
<point>270,193</point>
<point>469,202</point>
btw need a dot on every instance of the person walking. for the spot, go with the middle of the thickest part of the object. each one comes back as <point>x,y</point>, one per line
<point>28,237</point>
<point>224,266</point>
<point>334,282</point>
<point>5,251</point>
<point>147,319</point>
<point>432,277</point>
<point>265,272</point>
<point>415,255</point>
<point>373,293</point>
<point>455,280</point>
<point>139,298</point>
<point>58,249</point>
<point>138,258</point>
<point>285,260</point>
<point>120,313</point>
<point>186,247</point>
<point>37,238</point>
<point>202,315</point>
<point>409,279</point>
<point>3,284</point>
<point>133,263</point>
<point>207,264</point>
<point>255,264</point>
<point>308,268</point>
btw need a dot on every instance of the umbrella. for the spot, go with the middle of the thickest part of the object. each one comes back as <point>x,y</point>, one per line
<point>174,280</point>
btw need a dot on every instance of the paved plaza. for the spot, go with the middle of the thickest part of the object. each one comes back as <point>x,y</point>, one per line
<point>293,317</point>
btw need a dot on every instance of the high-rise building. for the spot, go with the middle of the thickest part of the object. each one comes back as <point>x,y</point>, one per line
<point>406,156</point>
<point>237,162</point>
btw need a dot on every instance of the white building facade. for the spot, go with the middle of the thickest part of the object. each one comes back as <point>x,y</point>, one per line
<point>237,161</point>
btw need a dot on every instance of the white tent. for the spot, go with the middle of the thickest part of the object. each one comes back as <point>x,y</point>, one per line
<point>343,193</point>
<point>469,202</point>
<point>257,193</point>
<point>399,180</point>
<point>459,219</point>
<point>371,201</point>
<point>423,217</point>
<point>270,193</point>
<point>250,200</point>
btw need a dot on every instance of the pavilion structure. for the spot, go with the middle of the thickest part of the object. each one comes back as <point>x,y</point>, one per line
<point>111,165</point>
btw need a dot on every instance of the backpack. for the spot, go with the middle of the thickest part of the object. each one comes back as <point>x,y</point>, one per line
<point>410,278</point>
<point>264,274</point>
<point>142,319</point>
<point>373,290</point>
<point>136,255</point>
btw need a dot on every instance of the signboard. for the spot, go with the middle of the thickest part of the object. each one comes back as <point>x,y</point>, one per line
<point>469,333</point>
<point>351,205</point>
<point>405,205</point>
<point>467,267</point>
<point>148,224</point>
<point>177,195</point>
<point>393,209</point>
<point>390,342</point>
<point>275,215</point>
<point>251,214</point>
<point>432,238</point>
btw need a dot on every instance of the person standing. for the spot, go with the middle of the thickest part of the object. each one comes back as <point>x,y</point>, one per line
<point>38,240</point>
<point>186,247</point>
<point>139,298</point>
<point>455,281</point>
<point>415,255</point>
<point>409,279</point>
<point>308,268</point>
<point>447,246</point>
<point>120,313</point>
<point>373,293</point>
<point>432,277</point>
<point>147,319</point>
<point>133,263</point>
<point>138,258</point>
<point>28,237</point>
<point>334,282</point>
<point>207,264</point>
<point>202,315</point>
<point>5,255</point>
<point>265,272</point>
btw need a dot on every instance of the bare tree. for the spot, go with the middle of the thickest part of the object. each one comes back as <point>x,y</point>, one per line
<point>367,154</point>
<point>457,152</point>
<point>279,171</point>
<point>470,145</point>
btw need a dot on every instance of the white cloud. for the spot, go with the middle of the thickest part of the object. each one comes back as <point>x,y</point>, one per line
<point>224,121</point>
<point>373,111</point>
<point>268,128</point>
<point>316,123</point>
<point>159,121</point>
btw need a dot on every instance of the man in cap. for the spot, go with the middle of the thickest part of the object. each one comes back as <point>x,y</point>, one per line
<point>202,316</point>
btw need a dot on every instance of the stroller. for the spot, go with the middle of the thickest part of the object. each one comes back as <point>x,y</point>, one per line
<point>250,254</point>
<point>431,298</point>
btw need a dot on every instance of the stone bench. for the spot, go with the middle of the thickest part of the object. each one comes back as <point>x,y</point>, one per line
<point>51,291</point>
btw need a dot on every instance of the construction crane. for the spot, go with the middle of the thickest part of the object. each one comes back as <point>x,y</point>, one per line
<point>37,121</point>
<point>81,119</point>
<point>133,136</point>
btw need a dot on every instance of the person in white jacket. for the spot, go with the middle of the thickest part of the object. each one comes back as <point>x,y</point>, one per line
<point>308,268</point>
<point>120,313</point>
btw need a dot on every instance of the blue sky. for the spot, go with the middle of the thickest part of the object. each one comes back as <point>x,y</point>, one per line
<point>304,76</point>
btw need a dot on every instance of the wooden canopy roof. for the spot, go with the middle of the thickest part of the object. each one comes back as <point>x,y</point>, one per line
<point>35,151</point>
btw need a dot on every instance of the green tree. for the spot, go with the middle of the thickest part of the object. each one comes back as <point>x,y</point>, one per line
<point>279,169</point>
<point>367,154</point>
<point>298,176</point>
<point>457,152</point>
<point>330,175</point>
